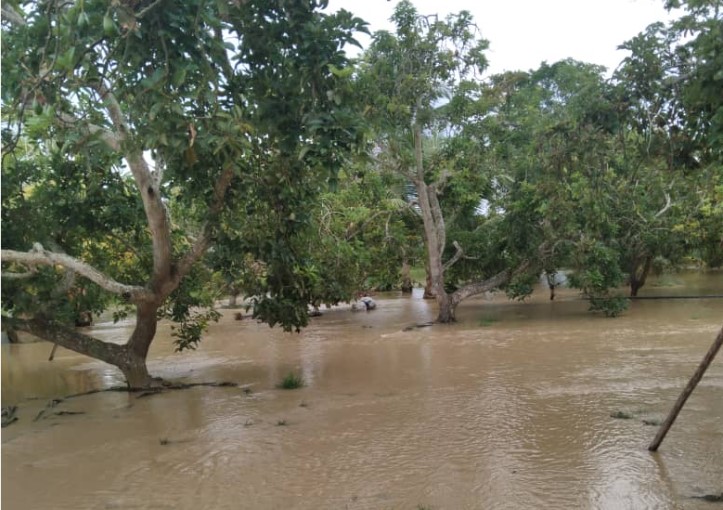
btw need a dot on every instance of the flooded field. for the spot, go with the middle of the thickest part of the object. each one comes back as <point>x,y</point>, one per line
<point>510,408</point>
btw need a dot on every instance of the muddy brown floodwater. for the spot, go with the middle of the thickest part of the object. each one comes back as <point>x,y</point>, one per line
<point>510,408</point>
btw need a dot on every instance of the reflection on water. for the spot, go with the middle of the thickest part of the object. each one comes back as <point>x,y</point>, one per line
<point>509,408</point>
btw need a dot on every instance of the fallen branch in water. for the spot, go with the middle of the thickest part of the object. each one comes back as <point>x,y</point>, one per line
<point>10,411</point>
<point>418,326</point>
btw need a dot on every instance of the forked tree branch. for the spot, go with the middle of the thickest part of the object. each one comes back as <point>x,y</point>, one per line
<point>456,257</point>
<point>203,242</point>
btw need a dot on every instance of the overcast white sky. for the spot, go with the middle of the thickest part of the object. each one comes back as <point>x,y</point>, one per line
<point>523,33</point>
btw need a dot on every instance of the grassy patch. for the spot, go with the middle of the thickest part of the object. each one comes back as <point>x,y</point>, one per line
<point>292,381</point>
<point>486,322</point>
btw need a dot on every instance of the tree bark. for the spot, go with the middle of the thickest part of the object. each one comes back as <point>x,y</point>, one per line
<point>639,274</point>
<point>60,334</point>
<point>406,278</point>
<point>232,300</point>
<point>550,278</point>
<point>133,364</point>
<point>692,383</point>
<point>428,292</point>
<point>447,308</point>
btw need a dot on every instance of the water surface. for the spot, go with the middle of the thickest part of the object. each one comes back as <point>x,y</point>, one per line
<point>507,409</point>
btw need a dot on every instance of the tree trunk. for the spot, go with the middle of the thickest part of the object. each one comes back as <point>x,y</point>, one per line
<point>692,383</point>
<point>428,287</point>
<point>638,275</point>
<point>133,363</point>
<point>550,277</point>
<point>135,371</point>
<point>232,300</point>
<point>447,307</point>
<point>406,278</point>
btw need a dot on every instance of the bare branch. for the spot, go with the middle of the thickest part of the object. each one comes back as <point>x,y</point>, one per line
<point>110,139</point>
<point>456,257</point>
<point>475,288</point>
<point>11,15</point>
<point>18,276</point>
<point>38,256</point>
<point>204,240</point>
<point>148,8</point>
<point>665,208</point>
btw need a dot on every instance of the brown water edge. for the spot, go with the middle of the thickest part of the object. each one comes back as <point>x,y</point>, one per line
<point>509,408</point>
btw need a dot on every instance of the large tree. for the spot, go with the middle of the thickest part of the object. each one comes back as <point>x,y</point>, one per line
<point>419,83</point>
<point>125,112</point>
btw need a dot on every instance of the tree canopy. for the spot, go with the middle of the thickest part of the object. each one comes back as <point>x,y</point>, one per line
<point>136,132</point>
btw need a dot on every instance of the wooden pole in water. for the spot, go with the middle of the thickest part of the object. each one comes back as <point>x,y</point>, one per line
<point>52,353</point>
<point>697,376</point>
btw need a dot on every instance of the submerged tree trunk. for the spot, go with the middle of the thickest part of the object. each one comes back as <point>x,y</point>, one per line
<point>130,358</point>
<point>406,278</point>
<point>550,277</point>
<point>232,300</point>
<point>638,274</point>
<point>133,363</point>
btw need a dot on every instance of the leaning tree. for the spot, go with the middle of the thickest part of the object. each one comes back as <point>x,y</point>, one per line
<point>134,130</point>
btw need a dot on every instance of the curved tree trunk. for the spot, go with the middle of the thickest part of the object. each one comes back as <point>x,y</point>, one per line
<point>133,363</point>
<point>639,274</point>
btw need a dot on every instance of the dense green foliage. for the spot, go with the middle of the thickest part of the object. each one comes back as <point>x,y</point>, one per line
<point>160,155</point>
<point>137,134</point>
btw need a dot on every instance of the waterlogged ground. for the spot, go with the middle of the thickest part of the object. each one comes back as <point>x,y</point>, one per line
<point>508,409</point>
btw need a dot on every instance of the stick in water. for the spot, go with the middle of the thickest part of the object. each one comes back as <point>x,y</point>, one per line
<point>697,376</point>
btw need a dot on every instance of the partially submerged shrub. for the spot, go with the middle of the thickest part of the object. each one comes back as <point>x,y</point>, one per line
<point>292,381</point>
<point>610,306</point>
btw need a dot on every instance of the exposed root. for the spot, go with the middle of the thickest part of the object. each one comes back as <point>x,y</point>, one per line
<point>8,413</point>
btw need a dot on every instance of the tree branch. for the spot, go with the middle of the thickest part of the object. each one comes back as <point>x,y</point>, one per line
<point>110,139</point>
<point>155,210</point>
<point>474,288</point>
<point>11,15</point>
<point>60,334</point>
<point>38,256</point>
<point>202,243</point>
<point>456,257</point>
<point>18,276</point>
<point>437,217</point>
<point>665,208</point>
